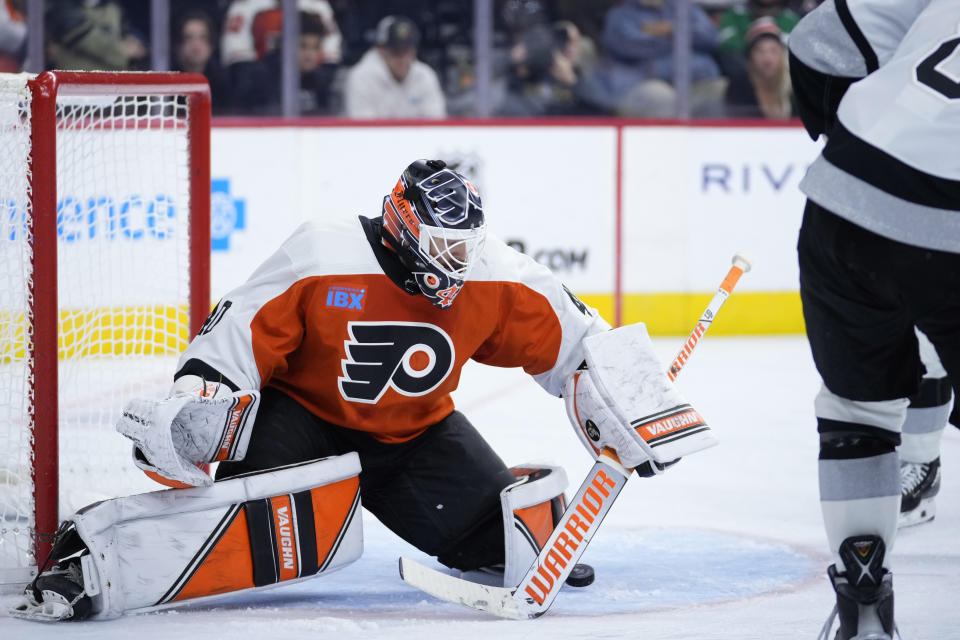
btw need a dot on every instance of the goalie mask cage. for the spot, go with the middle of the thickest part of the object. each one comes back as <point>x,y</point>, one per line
<point>104,277</point>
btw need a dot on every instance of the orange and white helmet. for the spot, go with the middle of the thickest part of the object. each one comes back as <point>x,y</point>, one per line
<point>433,220</point>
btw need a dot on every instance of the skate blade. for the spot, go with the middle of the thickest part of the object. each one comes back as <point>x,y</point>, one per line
<point>26,609</point>
<point>924,512</point>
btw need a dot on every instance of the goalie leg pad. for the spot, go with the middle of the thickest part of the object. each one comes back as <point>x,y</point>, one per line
<point>531,508</point>
<point>623,399</point>
<point>257,530</point>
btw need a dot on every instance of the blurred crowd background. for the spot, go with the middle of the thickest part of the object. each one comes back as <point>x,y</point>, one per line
<point>412,59</point>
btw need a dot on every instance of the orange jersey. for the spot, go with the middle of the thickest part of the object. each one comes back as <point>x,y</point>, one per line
<point>323,322</point>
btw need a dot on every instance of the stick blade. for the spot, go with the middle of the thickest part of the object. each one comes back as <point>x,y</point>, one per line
<point>496,600</point>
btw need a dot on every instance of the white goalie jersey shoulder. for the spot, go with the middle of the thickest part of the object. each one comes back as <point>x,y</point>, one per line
<point>312,249</point>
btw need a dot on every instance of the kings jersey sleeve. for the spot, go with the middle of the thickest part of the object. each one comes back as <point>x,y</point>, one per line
<point>837,44</point>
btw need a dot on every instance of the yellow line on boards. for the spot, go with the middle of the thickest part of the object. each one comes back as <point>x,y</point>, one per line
<point>745,313</point>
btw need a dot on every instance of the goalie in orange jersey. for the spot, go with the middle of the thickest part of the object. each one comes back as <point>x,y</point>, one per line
<point>324,379</point>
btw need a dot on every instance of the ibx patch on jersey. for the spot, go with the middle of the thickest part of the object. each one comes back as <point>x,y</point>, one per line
<point>412,358</point>
<point>346,297</point>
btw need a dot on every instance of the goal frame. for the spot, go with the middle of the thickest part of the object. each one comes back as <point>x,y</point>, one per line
<point>42,290</point>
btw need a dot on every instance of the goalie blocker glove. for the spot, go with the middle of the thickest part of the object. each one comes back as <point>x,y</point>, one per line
<point>621,398</point>
<point>200,422</point>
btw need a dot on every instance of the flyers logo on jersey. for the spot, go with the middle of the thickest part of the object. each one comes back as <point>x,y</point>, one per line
<point>412,358</point>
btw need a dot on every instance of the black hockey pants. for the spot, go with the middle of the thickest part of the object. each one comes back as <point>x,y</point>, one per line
<point>438,491</point>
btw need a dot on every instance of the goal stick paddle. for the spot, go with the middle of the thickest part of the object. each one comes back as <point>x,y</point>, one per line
<point>539,587</point>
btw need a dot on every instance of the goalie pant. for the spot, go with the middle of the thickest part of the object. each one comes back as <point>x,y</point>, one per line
<point>252,531</point>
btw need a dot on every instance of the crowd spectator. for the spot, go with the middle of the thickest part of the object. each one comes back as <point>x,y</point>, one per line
<point>636,76</point>
<point>251,53</point>
<point>575,47</point>
<point>253,28</point>
<point>257,85</point>
<point>193,47</point>
<point>389,81</point>
<point>544,58</point>
<point>764,91</point>
<point>545,73</point>
<point>735,21</point>
<point>715,9</point>
<point>588,16</point>
<point>13,36</point>
<point>92,35</point>
<point>316,73</point>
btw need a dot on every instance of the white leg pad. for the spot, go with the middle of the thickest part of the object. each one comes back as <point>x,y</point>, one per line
<point>531,507</point>
<point>158,549</point>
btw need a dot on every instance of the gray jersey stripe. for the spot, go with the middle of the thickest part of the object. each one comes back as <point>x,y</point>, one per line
<point>860,478</point>
<point>880,212</point>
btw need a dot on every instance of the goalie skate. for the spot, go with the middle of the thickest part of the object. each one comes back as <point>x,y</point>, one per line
<point>919,485</point>
<point>57,594</point>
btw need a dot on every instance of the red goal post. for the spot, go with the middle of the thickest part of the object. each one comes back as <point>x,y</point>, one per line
<point>104,211</point>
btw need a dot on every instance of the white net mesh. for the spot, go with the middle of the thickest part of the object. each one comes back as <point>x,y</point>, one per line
<point>123,232</point>
<point>16,486</point>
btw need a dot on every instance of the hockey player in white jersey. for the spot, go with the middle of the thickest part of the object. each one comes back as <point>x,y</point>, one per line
<point>879,254</point>
<point>326,379</point>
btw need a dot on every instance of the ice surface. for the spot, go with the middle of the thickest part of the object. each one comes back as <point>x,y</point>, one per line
<point>728,544</point>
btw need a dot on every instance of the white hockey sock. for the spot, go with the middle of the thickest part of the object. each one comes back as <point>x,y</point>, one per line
<point>926,418</point>
<point>860,496</point>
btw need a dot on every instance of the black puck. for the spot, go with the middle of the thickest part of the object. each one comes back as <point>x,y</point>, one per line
<point>581,576</point>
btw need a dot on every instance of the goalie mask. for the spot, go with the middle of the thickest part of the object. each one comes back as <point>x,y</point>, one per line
<point>433,220</point>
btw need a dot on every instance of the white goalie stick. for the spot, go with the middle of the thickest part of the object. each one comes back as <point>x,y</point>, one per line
<point>539,587</point>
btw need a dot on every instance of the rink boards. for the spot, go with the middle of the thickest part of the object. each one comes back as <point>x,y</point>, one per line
<point>635,216</point>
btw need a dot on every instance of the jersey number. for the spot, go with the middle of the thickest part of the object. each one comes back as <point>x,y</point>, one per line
<point>412,358</point>
<point>927,71</point>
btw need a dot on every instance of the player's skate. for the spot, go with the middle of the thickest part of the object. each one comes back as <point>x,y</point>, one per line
<point>864,592</point>
<point>58,593</point>
<point>919,484</point>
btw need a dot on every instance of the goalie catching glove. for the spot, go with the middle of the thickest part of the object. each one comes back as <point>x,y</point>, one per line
<point>200,422</point>
<point>621,398</point>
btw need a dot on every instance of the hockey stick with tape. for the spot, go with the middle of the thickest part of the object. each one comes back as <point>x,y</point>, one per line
<point>740,266</point>
<point>541,584</point>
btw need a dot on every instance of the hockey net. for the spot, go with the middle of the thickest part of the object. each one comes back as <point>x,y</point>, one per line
<point>104,277</point>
